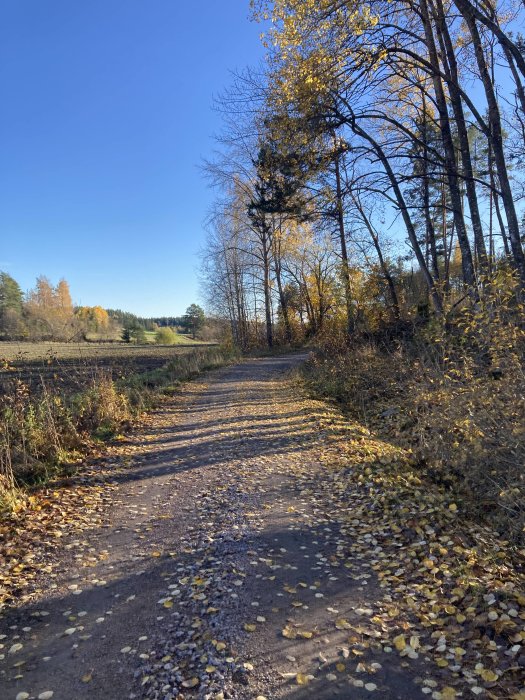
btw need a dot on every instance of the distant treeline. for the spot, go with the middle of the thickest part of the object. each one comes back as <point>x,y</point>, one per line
<point>131,321</point>
<point>47,312</point>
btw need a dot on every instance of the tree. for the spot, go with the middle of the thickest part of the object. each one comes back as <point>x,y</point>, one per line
<point>11,307</point>
<point>139,336</point>
<point>94,319</point>
<point>42,295</point>
<point>11,296</point>
<point>63,297</point>
<point>50,311</point>
<point>341,65</point>
<point>194,319</point>
<point>363,126</point>
<point>276,198</point>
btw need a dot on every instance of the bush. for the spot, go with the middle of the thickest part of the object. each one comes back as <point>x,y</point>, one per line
<point>36,433</point>
<point>101,409</point>
<point>453,398</point>
<point>165,336</point>
<point>139,336</point>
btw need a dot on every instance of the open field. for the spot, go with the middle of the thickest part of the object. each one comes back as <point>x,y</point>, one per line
<point>73,364</point>
<point>180,339</point>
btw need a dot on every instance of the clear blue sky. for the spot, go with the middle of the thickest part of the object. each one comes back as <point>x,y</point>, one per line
<point>106,112</point>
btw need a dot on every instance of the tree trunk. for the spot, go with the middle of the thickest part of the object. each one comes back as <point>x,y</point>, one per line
<point>266,284</point>
<point>282,297</point>
<point>467,9</point>
<point>430,232</point>
<point>451,70</point>
<point>436,299</point>
<point>469,276</point>
<point>497,147</point>
<point>350,320</point>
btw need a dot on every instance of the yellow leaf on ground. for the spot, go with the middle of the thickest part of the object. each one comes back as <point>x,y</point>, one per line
<point>301,679</point>
<point>289,633</point>
<point>342,624</point>
<point>489,676</point>
<point>414,641</point>
<point>400,642</point>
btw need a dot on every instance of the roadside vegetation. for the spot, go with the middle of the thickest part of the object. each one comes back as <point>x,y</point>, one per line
<point>73,376</point>
<point>49,425</point>
<point>458,418</point>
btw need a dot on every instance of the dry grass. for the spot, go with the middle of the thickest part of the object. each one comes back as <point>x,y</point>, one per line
<point>54,424</point>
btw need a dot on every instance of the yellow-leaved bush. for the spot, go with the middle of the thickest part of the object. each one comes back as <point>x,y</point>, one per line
<point>452,395</point>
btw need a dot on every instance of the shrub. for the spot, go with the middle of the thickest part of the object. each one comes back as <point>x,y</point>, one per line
<point>36,433</point>
<point>165,336</point>
<point>102,408</point>
<point>139,336</point>
<point>453,397</point>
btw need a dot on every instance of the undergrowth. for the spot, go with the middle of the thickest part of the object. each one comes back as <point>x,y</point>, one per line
<point>49,431</point>
<point>452,397</point>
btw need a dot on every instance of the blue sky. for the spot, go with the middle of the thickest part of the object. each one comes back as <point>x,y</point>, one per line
<point>107,110</point>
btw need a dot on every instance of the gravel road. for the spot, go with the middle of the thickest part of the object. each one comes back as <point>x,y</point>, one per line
<point>221,569</point>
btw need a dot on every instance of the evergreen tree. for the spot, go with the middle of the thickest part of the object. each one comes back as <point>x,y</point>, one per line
<point>11,307</point>
<point>11,296</point>
<point>139,336</point>
<point>194,319</point>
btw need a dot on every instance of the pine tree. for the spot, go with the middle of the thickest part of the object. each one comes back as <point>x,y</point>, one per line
<point>11,296</point>
<point>11,307</point>
<point>194,319</point>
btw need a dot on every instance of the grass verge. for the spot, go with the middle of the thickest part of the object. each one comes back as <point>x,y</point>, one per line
<point>48,432</point>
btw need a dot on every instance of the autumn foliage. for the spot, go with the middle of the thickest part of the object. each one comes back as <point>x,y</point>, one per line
<point>451,393</point>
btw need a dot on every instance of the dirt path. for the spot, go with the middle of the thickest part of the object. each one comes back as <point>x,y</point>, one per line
<point>223,568</point>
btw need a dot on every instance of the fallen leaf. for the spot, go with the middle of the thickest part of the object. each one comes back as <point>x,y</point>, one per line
<point>342,624</point>
<point>301,679</point>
